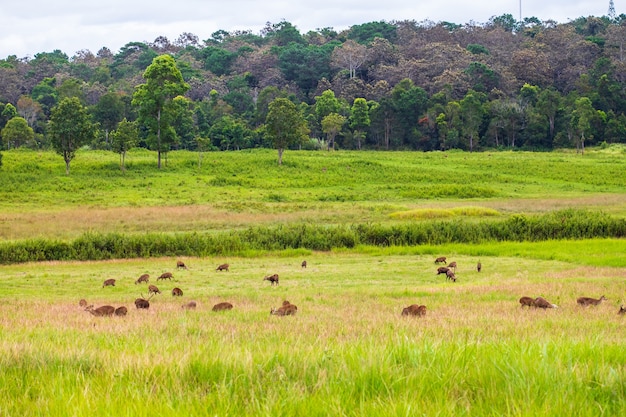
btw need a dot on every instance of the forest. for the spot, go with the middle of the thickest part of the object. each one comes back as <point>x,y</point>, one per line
<point>400,85</point>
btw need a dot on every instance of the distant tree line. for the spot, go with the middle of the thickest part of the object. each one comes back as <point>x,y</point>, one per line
<point>527,84</point>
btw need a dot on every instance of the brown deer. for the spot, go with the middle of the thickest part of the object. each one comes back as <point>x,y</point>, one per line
<point>181,265</point>
<point>109,282</point>
<point>142,278</point>
<point>479,266</point>
<point>223,267</point>
<point>622,310</point>
<point>527,302</point>
<point>450,275</point>
<point>303,264</point>
<point>441,260</point>
<point>414,310</point>
<point>189,306</point>
<point>588,301</point>
<point>165,275</point>
<point>273,279</point>
<point>153,289</point>
<point>177,292</point>
<point>452,265</point>
<point>284,310</point>
<point>541,302</point>
<point>82,303</point>
<point>121,311</point>
<point>143,302</point>
<point>101,311</point>
<point>222,306</point>
<point>442,270</point>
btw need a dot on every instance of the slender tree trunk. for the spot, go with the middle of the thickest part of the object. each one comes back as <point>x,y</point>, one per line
<point>159,138</point>
<point>280,156</point>
<point>67,159</point>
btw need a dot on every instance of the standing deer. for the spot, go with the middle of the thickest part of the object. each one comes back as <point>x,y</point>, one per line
<point>177,292</point>
<point>181,265</point>
<point>541,302</point>
<point>479,266</point>
<point>442,270</point>
<point>142,278</point>
<point>527,302</point>
<point>222,306</point>
<point>153,289</point>
<point>588,301</point>
<point>121,311</point>
<point>452,265</point>
<point>165,275</point>
<point>450,275</point>
<point>143,302</point>
<point>223,267</point>
<point>303,264</point>
<point>101,311</point>
<point>441,260</point>
<point>109,282</point>
<point>414,310</point>
<point>273,279</point>
<point>189,306</point>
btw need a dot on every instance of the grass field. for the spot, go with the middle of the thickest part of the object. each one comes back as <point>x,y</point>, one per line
<point>348,351</point>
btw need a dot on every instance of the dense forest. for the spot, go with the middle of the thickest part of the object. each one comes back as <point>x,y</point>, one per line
<point>408,85</point>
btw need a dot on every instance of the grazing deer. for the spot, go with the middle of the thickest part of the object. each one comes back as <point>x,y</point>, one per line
<point>527,302</point>
<point>450,275</point>
<point>223,267</point>
<point>441,260</point>
<point>303,264</point>
<point>82,303</point>
<point>273,279</point>
<point>177,292</point>
<point>622,310</point>
<point>121,311</point>
<point>153,289</point>
<point>189,306</point>
<point>222,306</point>
<point>143,302</point>
<point>452,265</point>
<point>414,310</point>
<point>285,310</point>
<point>142,278</point>
<point>101,311</point>
<point>588,301</point>
<point>541,302</point>
<point>165,275</point>
<point>479,266</point>
<point>181,265</point>
<point>109,282</point>
<point>442,270</point>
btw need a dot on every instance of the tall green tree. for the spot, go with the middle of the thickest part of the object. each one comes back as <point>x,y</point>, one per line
<point>17,132</point>
<point>108,112</point>
<point>331,125</point>
<point>285,125</point>
<point>581,121</point>
<point>70,127</point>
<point>359,119</point>
<point>472,112</point>
<point>124,138</point>
<point>164,81</point>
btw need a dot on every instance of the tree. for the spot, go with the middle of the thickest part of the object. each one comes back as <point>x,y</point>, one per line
<point>359,119</point>
<point>70,127</point>
<point>350,55</point>
<point>108,112</point>
<point>581,121</point>
<point>285,125</point>
<point>471,114</point>
<point>331,125</point>
<point>123,139</point>
<point>164,81</point>
<point>17,132</point>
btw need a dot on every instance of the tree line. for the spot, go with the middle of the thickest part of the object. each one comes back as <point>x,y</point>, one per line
<point>527,84</point>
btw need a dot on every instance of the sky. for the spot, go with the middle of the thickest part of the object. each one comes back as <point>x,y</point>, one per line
<point>44,25</point>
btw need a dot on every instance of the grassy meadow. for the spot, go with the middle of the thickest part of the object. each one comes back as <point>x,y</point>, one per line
<point>348,351</point>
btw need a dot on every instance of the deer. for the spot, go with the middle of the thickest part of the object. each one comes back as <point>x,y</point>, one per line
<point>177,292</point>
<point>442,270</point>
<point>273,279</point>
<point>101,311</point>
<point>153,289</point>
<point>541,302</point>
<point>142,278</point>
<point>223,267</point>
<point>441,260</point>
<point>452,265</point>
<point>414,310</point>
<point>121,311</point>
<point>303,264</point>
<point>143,302</point>
<point>82,303</point>
<point>450,275</point>
<point>222,306</point>
<point>108,282</point>
<point>165,275</point>
<point>622,310</point>
<point>284,310</point>
<point>527,302</point>
<point>588,301</point>
<point>189,306</point>
<point>479,266</point>
<point>181,265</point>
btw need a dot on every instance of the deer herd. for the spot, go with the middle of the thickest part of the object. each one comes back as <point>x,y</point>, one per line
<point>288,309</point>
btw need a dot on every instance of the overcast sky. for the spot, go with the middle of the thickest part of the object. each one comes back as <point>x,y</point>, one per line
<point>69,25</point>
